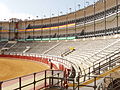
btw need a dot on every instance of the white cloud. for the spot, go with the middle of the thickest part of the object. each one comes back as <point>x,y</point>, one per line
<point>6,13</point>
<point>21,15</point>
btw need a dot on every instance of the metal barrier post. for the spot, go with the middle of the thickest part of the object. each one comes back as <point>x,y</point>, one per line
<point>95,83</point>
<point>73,85</point>
<point>19,83</point>
<point>112,84</point>
<point>34,80</point>
<point>85,77</point>
<point>93,68</point>
<point>89,72</point>
<point>58,79</point>
<point>52,78</point>
<point>99,68</point>
<point>51,65</point>
<point>61,83</point>
<point>1,85</point>
<point>78,82</point>
<point>109,63</point>
<point>45,79</point>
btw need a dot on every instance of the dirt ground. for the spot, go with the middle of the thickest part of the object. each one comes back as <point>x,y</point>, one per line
<point>12,68</point>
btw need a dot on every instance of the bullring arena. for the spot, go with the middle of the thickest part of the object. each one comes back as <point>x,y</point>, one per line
<point>79,50</point>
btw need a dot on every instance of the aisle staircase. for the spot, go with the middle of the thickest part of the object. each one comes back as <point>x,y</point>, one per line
<point>27,48</point>
<point>8,45</point>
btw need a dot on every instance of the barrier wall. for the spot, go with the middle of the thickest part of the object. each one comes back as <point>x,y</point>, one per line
<point>39,59</point>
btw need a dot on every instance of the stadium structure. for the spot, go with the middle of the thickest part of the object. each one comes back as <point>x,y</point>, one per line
<point>81,49</point>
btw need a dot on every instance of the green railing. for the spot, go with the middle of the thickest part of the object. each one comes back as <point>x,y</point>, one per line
<point>48,39</point>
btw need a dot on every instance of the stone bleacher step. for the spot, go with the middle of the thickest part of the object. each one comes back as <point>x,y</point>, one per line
<point>12,41</point>
<point>55,88</point>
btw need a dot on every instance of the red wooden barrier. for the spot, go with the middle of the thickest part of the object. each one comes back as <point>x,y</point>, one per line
<point>39,59</point>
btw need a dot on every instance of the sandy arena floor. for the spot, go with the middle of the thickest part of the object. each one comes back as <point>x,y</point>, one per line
<point>12,68</point>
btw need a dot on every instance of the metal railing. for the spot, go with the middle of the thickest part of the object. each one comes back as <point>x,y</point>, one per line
<point>35,81</point>
<point>99,68</point>
<point>109,83</point>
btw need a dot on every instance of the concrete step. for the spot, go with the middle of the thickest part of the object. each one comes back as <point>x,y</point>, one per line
<point>55,88</point>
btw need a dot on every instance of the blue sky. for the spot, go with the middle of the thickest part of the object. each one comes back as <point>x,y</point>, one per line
<point>32,8</point>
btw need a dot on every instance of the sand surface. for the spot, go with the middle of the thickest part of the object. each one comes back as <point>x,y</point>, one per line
<point>12,68</point>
